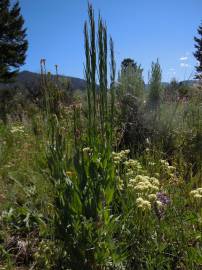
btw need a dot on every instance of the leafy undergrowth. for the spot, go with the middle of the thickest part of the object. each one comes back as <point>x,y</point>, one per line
<point>144,216</point>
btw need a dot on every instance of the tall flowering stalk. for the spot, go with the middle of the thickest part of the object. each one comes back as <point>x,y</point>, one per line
<point>100,112</point>
<point>112,86</point>
<point>84,185</point>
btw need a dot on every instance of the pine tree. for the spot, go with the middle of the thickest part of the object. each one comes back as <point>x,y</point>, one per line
<point>13,43</point>
<point>198,53</point>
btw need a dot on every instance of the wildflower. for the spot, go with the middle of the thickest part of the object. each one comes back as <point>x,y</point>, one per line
<point>129,174</point>
<point>196,194</point>
<point>154,188</point>
<point>86,150</point>
<point>117,158</point>
<point>120,184</point>
<point>164,162</point>
<point>154,181</point>
<point>151,163</point>
<point>159,203</point>
<point>116,162</point>
<point>16,129</point>
<point>139,178</point>
<point>143,186</point>
<point>69,173</point>
<point>132,180</point>
<point>193,192</point>
<point>152,197</point>
<point>126,163</point>
<point>139,200</point>
<point>147,141</point>
<point>171,168</point>
<point>163,198</point>
<point>143,204</point>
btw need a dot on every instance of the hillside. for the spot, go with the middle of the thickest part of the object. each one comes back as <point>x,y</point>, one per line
<point>30,80</point>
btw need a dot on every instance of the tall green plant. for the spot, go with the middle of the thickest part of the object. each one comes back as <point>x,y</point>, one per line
<point>112,86</point>
<point>51,93</point>
<point>84,182</point>
<point>155,87</point>
<point>130,79</point>
<point>100,112</point>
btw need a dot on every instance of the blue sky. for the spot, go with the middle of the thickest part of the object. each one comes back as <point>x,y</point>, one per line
<point>141,29</point>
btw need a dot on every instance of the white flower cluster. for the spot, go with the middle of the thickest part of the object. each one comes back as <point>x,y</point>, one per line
<point>120,157</point>
<point>133,165</point>
<point>133,168</point>
<point>166,166</point>
<point>146,188</point>
<point>150,163</point>
<point>86,150</point>
<point>142,183</point>
<point>17,129</point>
<point>196,194</point>
<point>120,183</point>
<point>143,204</point>
<point>167,171</point>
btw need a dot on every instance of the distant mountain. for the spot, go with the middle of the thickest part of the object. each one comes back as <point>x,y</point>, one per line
<point>27,81</point>
<point>30,80</point>
<point>186,82</point>
<point>189,82</point>
<point>164,84</point>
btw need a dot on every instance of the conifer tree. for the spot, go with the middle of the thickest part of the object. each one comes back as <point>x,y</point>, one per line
<point>198,53</point>
<point>13,43</point>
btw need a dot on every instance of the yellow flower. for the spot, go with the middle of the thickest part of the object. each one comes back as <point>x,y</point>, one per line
<point>152,197</point>
<point>199,190</point>
<point>151,163</point>
<point>139,200</point>
<point>16,129</point>
<point>171,168</point>
<point>126,163</point>
<point>193,192</point>
<point>154,181</point>
<point>198,196</point>
<point>69,173</point>
<point>86,150</point>
<point>143,204</point>
<point>159,203</point>
<point>117,158</point>
<point>196,193</point>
